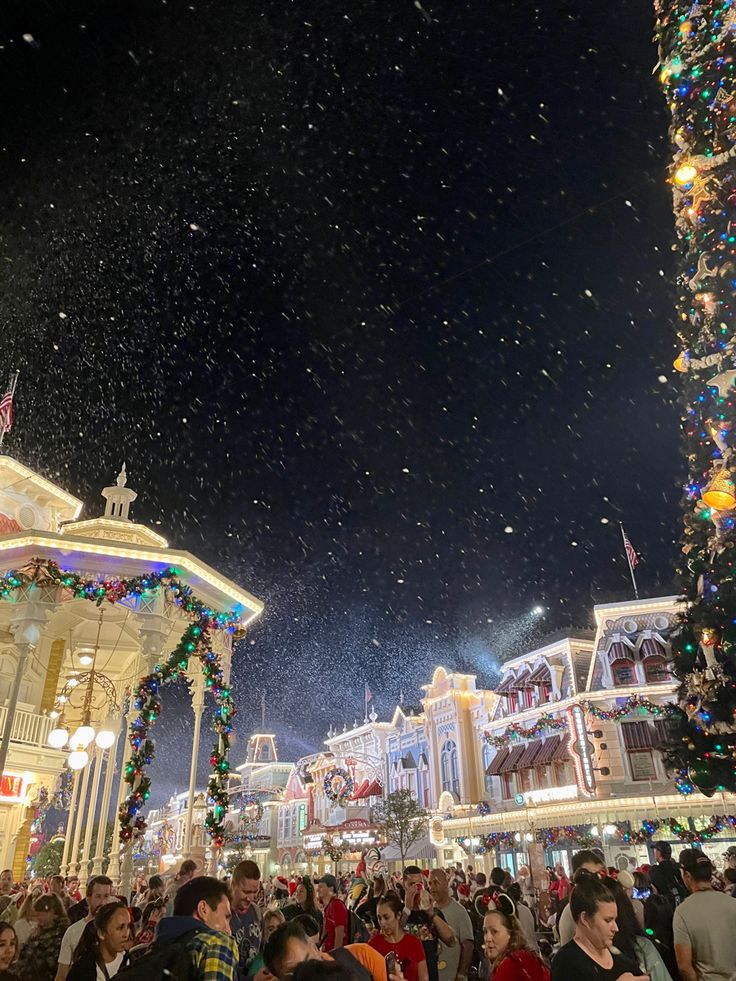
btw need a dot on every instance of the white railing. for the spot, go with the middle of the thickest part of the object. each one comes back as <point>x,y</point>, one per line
<point>28,727</point>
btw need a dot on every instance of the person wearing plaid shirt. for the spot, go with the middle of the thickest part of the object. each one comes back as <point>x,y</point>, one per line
<point>202,913</point>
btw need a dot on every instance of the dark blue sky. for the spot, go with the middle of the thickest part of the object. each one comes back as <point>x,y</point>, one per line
<point>373,299</point>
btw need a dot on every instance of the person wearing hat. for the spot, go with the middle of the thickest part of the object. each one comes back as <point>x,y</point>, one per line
<point>334,912</point>
<point>626,879</point>
<point>704,924</point>
<point>665,875</point>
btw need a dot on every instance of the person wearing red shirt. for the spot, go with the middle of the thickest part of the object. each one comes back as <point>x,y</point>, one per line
<point>408,949</point>
<point>506,947</point>
<point>335,913</point>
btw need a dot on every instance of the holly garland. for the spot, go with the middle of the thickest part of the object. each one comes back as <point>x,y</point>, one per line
<point>195,642</point>
<point>549,723</point>
<point>545,723</point>
<point>651,828</point>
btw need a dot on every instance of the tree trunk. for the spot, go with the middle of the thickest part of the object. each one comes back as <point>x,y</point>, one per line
<point>696,49</point>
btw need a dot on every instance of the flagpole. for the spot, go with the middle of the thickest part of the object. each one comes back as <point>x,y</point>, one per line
<point>11,388</point>
<point>626,553</point>
<point>365,698</point>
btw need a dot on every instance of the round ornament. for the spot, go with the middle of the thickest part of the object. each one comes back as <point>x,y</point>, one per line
<point>701,776</point>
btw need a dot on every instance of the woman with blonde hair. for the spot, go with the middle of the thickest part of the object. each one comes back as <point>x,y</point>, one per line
<point>508,953</point>
<point>26,925</point>
<point>39,958</point>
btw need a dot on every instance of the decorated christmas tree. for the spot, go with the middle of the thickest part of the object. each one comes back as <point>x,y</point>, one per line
<point>697,51</point>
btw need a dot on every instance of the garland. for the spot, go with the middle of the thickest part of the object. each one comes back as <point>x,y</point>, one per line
<point>333,849</point>
<point>547,722</point>
<point>483,808</point>
<point>196,641</point>
<point>580,834</point>
<point>338,786</point>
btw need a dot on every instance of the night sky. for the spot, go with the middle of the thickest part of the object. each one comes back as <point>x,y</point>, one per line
<point>373,299</point>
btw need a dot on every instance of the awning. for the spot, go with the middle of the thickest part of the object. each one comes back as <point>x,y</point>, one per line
<point>651,648</point>
<point>494,767</point>
<point>522,681</point>
<point>408,762</point>
<point>619,651</point>
<point>531,750</point>
<point>506,686</point>
<point>547,752</point>
<point>562,752</point>
<point>359,792</point>
<point>637,735</point>
<point>374,790</point>
<point>511,763</point>
<point>421,850</point>
<point>541,675</point>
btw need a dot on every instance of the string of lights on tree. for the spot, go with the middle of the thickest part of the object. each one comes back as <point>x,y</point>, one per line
<point>549,723</point>
<point>196,641</point>
<point>697,44</point>
<point>587,836</point>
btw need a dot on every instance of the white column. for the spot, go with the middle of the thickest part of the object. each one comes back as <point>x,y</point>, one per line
<point>91,810</point>
<point>70,822</point>
<point>113,869</point>
<point>197,707</point>
<point>105,807</point>
<point>81,808</point>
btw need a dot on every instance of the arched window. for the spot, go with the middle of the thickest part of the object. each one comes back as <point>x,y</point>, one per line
<point>488,755</point>
<point>624,673</point>
<point>448,768</point>
<point>656,669</point>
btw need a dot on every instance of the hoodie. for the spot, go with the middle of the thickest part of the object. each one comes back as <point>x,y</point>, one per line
<point>214,954</point>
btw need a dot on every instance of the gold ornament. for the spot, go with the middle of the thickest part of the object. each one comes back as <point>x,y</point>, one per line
<point>720,494</point>
<point>680,362</point>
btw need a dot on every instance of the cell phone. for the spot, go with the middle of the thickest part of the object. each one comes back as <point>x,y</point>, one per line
<point>391,963</point>
<point>420,886</point>
<point>641,893</point>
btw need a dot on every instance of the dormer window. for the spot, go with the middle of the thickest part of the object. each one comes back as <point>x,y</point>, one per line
<point>654,658</point>
<point>624,673</point>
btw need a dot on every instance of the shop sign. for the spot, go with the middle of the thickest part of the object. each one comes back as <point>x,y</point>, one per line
<point>12,787</point>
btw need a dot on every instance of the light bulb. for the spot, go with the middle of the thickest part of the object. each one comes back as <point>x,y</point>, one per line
<point>85,659</point>
<point>78,759</point>
<point>685,174</point>
<point>105,738</point>
<point>72,682</point>
<point>82,737</point>
<point>57,738</point>
<point>54,714</point>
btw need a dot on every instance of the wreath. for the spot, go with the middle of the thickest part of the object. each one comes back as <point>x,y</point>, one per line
<point>251,820</point>
<point>338,786</point>
<point>195,641</point>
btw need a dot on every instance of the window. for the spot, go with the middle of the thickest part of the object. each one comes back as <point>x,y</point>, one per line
<point>656,669</point>
<point>623,673</point>
<point>302,817</point>
<point>512,703</point>
<point>488,755</point>
<point>507,786</point>
<point>525,780</point>
<point>448,768</point>
<point>642,765</point>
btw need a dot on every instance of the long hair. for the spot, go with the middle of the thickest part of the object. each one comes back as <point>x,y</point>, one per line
<point>51,904</point>
<point>310,904</point>
<point>628,925</point>
<point>89,942</point>
<point>506,912</point>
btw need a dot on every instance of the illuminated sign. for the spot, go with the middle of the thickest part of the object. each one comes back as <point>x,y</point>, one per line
<point>12,787</point>
<point>581,749</point>
<point>546,795</point>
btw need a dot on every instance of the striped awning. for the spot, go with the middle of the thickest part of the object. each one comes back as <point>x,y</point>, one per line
<point>637,735</point>
<point>506,686</point>
<point>562,752</point>
<point>511,763</point>
<point>620,652</point>
<point>522,681</point>
<point>540,675</point>
<point>531,751</point>
<point>494,767</point>
<point>651,648</point>
<point>546,754</point>
<point>359,792</point>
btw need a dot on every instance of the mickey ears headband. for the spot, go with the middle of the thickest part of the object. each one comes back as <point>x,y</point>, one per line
<point>490,900</point>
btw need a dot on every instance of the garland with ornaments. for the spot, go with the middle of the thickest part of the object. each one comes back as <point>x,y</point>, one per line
<point>549,723</point>
<point>697,55</point>
<point>338,786</point>
<point>196,641</point>
<point>587,837</point>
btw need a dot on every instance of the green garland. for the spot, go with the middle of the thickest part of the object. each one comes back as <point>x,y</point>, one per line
<point>195,642</point>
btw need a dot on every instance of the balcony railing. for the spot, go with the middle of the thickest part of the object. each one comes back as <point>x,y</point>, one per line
<point>29,728</point>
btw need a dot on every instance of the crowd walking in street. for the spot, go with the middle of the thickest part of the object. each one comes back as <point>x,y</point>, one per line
<point>669,921</point>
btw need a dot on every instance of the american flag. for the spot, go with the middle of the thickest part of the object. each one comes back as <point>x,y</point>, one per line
<point>6,412</point>
<point>630,550</point>
<point>368,695</point>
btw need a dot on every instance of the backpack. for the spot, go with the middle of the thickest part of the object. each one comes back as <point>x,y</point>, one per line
<point>162,962</point>
<point>358,932</point>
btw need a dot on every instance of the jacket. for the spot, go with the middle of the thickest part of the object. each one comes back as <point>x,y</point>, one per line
<point>214,954</point>
<point>39,958</point>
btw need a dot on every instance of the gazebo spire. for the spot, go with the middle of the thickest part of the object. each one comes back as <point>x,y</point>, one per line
<point>119,497</point>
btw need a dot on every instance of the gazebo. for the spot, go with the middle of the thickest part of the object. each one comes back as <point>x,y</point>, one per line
<point>76,637</point>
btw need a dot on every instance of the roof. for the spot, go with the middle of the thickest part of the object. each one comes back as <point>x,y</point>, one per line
<point>23,480</point>
<point>128,560</point>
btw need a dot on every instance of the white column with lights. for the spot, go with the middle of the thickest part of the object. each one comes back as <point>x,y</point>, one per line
<point>197,708</point>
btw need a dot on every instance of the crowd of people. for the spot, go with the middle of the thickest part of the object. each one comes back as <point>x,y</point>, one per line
<point>669,921</point>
